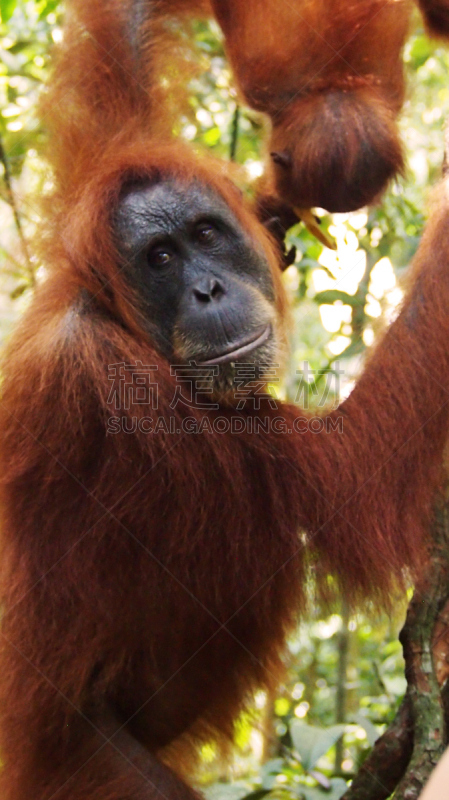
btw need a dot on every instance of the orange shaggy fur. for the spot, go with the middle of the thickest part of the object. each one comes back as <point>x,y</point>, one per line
<point>159,575</point>
<point>330,76</point>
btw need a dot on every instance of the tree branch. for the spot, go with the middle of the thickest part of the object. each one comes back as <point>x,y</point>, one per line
<point>403,758</point>
<point>15,210</point>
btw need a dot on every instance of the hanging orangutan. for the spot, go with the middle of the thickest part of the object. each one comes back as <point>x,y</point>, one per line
<point>330,76</point>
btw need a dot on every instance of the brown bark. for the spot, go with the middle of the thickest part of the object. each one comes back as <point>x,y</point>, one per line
<point>403,758</point>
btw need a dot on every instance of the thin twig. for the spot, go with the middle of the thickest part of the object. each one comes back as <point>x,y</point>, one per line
<point>234,134</point>
<point>13,204</point>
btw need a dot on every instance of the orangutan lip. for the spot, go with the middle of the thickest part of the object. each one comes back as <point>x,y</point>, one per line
<point>241,350</point>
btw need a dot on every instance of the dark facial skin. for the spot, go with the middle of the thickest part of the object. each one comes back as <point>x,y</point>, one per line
<point>207,292</point>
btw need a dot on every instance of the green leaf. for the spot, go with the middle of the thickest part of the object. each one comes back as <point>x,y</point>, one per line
<point>212,136</point>
<point>338,788</point>
<point>7,8</point>
<point>371,732</point>
<point>331,295</point>
<point>322,780</point>
<point>20,46</point>
<point>420,50</point>
<point>228,791</point>
<point>258,794</point>
<point>311,743</point>
<point>47,8</point>
<point>19,290</point>
<point>269,772</point>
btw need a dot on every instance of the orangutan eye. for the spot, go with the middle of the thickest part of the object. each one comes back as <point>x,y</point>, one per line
<point>160,256</point>
<point>205,233</point>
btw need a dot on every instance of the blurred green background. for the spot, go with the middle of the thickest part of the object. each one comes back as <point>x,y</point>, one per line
<point>345,672</point>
